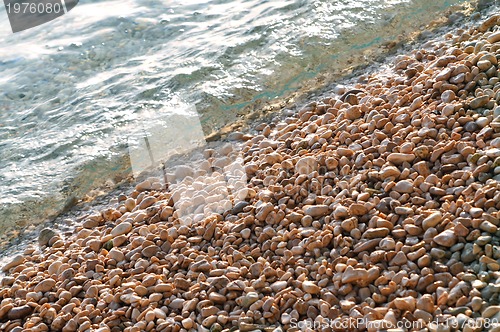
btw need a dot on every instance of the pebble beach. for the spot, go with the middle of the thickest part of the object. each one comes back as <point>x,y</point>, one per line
<point>375,208</point>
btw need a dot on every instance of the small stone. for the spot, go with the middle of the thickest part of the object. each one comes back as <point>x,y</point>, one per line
<point>479,102</point>
<point>94,244</point>
<point>492,153</point>
<point>248,299</point>
<point>278,286</point>
<point>217,298</point>
<point>357,209</point>
<point>349,224</point>
<point>238,207</point>
<point>353,113</point>
<point>120,229</point>
<point>353,275</point>
<point>187,323</point>
<point>495,143</point>
<point>373,233</point>
<point>116,254</point>
<point>245,233</point>
<point>404,186</point>
<point>351,98</point>
<point>297,250</point>
<point>17,260</point>
<point>4,309</point>
<point>263,210</point>
<point>475,212</point>
<point>488,227</point>
<point>150,251</point>
<point>306,165</point>
<point>310,287</point>
<point>494,37</point>
<point>448,110</point>
<point>471,127</point>
<point>147,202</point>
<point>176,304</point>
<point>416,104</point>
<point>467,256</point>
<point>183,171</point>
<point>20,312</point>
<point>201,266</point>
<point>90,223</point>
<point>446,238</point>
<point>129,203</point>
<point>407,303</point>
<point>432,220</point>
<point>399,158</point>
<point>210,230</point>
<point>340,212</point>
<point>448,96</point>
<point>403,210</point>
<point>119,240</point>
<point>484,65</point>
<point>208,311</point>
<point>273,158</point>
<point>387,244</point>
<point>490,311</point>
<point>256,269</point>
<point>426,303</point>
<point>482,121</point>
<point>163,288</point>
<point>144,186</point>
<point>399,259</point>
<point>315,210</point>
<point>389,171</point>
<point>45,285</point>
<point>45,235</point>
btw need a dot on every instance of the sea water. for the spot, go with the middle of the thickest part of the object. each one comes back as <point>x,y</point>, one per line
<point>76,91</point>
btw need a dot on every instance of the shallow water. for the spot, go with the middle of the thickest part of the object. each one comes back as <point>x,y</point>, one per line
<point>76,90</point>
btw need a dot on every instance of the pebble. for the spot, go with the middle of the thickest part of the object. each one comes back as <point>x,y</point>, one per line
<point>263,210</point>
<point>407,303</point>
<point>116,254</point>
<point>45,285</point>
<point>399,259</point>
<point>278,286</point>
<point>488,227</point>
<point>353,275</point>
<point>432,220</point>
<point>446,238</point>
<point>494,37</point>
<point>404,186</point>
<point>357,209</point>
<point>306,165</point>
<point>399,158</point>
<point>45,235</point>
<point>16,260</point>
<point>20,312</point>
<point>448,96</point>
<point>121,229</point>
<point>479,102</point>
<point>376,233</point>
<point>315,210</point>
<point>390,172</point>
<point>310,287</point>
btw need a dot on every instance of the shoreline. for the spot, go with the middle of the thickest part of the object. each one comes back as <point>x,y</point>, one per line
<point>398,224</point>
<point>48,206</point>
